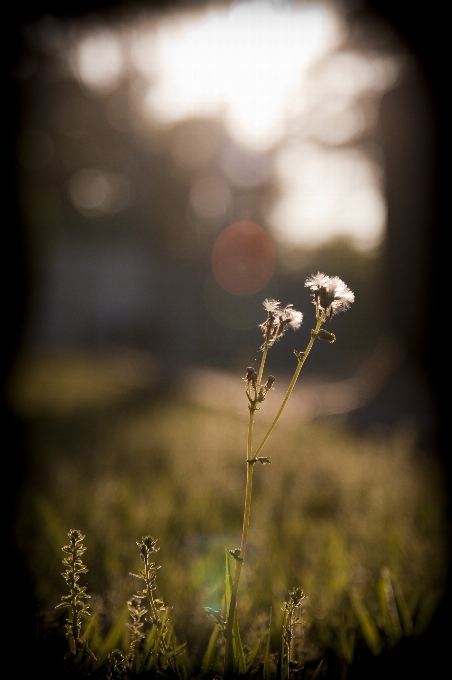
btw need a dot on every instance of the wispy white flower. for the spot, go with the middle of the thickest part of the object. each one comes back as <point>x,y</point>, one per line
<point>271,305</point>
<point>292,317</point>
<point>317,281</point>
<point>330,293</point>
<point>279,320</point>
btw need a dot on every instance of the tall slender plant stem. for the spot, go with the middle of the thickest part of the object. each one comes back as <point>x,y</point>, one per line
<point>249,479</point>
<point>155,614</point>
<point>250,459</point>
<point>289,645</point>
<point>246,515</point>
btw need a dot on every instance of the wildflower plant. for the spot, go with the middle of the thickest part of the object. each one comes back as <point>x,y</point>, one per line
<point>153,647</point>
<point>137,613</point>
<point>161,652</point>
<point>75,600</point>
<point>290,620</point>
<point>117,666</point>
<point>330,295</point>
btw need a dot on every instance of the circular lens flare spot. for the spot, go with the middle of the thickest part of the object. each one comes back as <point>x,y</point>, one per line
<point>243,258</point>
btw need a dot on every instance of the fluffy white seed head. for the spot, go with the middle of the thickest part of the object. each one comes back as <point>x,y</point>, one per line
<point>279,320</point>
<point>330,293</point>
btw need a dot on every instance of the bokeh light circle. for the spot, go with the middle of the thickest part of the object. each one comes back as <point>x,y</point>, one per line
<point>243,258</point>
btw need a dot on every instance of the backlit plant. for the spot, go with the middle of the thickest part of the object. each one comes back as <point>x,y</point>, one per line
<point>330,296</point>
<point>152,646</point>
<point>75,600</point>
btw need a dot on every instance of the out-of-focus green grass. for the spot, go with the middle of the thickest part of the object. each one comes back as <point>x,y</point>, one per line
<point>117,461</point>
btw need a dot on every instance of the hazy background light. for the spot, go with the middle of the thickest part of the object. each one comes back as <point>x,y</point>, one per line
<point>98,61</point>
<point>339,99</point>
<point>351,74</point>
<point>243,63</point>
<point>193,146</point>
<point>94,191</point>
<point>328,192</point>
<point>244,168</point>
<point>276,77</point>
<point>143,46</point>
<point>338,121</point>
<point>210,196</point>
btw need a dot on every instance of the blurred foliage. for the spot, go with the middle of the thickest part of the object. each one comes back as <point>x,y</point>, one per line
<point>351,519</point>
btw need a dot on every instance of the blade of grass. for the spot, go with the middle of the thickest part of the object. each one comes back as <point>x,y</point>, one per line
<point>347,641</point>
<point>149,647</point>
<point>209,656</point>
<point>280,670</point>
<point>92,634</point>
<point>114,636</point>
<point>368,628</point>
<point>267,671</point>
<point>238,655</point>
<point>80,656</point>
<point>176,651</point>
<point>402,607</point>
<point>153,661</point>
<point>227,597</point>
<point>391,607</point>
<point>183,665</point>
<point>227,582</point>
<point>317,671</point>
<point>384,608</point>
<point>252,655</point>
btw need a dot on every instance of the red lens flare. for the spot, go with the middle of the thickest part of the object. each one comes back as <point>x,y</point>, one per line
<point>243,258</point>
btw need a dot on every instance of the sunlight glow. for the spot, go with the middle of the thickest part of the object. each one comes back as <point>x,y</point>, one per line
<point>98,61</point>
<point>210,196</point>
<point>244,63</point>
<point>326,193</point>
<point>294,101</point>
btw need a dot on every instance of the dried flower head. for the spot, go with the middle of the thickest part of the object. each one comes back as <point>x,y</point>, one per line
<point>330,293</point>
<point>317,281</point>
<point>271,306</point>
<point>279,320</point>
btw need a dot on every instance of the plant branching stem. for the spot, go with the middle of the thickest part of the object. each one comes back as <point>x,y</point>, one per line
<point>301,360</point>
<point>154,611</point>
<point>289,646</point>
<point>228,671</point>
<point>75,617</point>
<point>246,516</point>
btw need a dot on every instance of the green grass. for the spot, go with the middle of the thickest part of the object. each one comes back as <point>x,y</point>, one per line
<point>356,521</point>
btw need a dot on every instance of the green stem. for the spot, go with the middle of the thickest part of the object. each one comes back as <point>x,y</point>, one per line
<point>289,645</point>
<point>228,670</point>
<point>246,519</point>
<point>155,614</point>
<point>74,600</point>
<point>302,358</point>
<point>261,368</point>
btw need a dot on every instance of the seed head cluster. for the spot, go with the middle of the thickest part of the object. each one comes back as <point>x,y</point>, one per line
<point>330,293</point>
<point>279,320</point>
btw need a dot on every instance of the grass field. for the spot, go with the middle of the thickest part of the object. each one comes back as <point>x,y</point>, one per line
<point>347,517</point>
